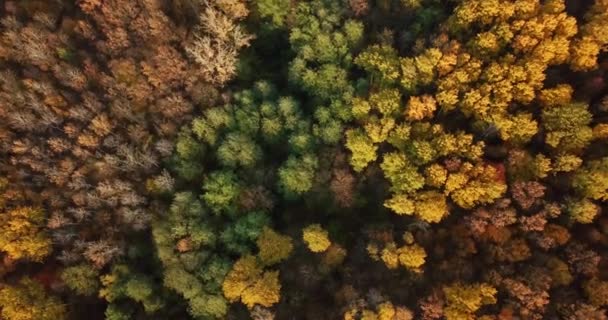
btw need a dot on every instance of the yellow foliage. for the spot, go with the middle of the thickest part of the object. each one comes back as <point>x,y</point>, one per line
<point>378,130</point>
<point>447,99</point>
<point>412,257</point>
<point>243,274</point>
<point>583,211</point>
<point>584,54</point>
<point>401,204</point>
<point>420,70</point>
<point>402,174</point>
<point>273,246</point>
<point>518,129</point>
<point>368,315</point>
<point>566,163</point>
<point>557,96</point>
<point>383,311</point>
<point>487,43</point>
<point>430,206</point>
<point>22,235</point>
<point>265,291</point>
<point>316,238</point>
<point>387,101</point>
<point>542,166</point>
<point>436,175</point>
<point>386,311</point>
<point>373,251</point>
<point>464,300</point>
<point>474,185</point>
<point>399,135</point>
<point>248,282</point>
<point>390,256</point>
<point>362,148</point>
<point>360,108</point>
<point>28,300</point>
<point>421,107</point>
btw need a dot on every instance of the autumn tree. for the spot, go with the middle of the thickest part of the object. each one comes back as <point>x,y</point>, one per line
<point>248,282</point>
<point>28,300</point>
<point>464,300</point>
<point>83,279</point>
<point>316,238</point>
<point>274,247</point>
<point>22,235</point>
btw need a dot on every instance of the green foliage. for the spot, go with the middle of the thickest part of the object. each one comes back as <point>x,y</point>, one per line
<point>238,149</point>
<point>83,279</point>
<point>221,190</point>
<point>592,180</point>
<point>114,312</point>
<point>402,174</point>
<point>296,175</point>
<point>188,156</point>
<point>375,106</point>
<point>382,62</point>
<point>238,236</point>
<point>362,148</point>
<point>323,40</point>
<point>122,283</point>
<point>568,127</point>
<point>275,10</point>
<point>420,70</point>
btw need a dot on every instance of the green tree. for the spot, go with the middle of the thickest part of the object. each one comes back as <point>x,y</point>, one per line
<point>568,127</point>
<point>363,150</point>
<point>275,10</point>
<point>221,190</point>
<point>296,175</point>
<point>83,279</point>
<point>592,180</point>
<point>122,283</point>
<point>239,236</point>
<point>382,62</point>
<point>237,149</point>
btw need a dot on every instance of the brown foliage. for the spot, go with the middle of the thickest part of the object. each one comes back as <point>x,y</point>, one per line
<point>75,118</point>
<point>527,193</point>
<point>359,7</point>
<point>342,185</point>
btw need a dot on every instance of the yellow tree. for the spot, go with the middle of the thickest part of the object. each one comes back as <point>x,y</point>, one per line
<point>316,238</point>
<point>248,282</point>
<point>362,148</point>
<point>22,235</point>
<point>28,301</point>
<point>464,300</point>
<point>421,107</point>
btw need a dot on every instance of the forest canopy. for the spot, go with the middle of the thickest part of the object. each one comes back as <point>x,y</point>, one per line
<point>304,159</point>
